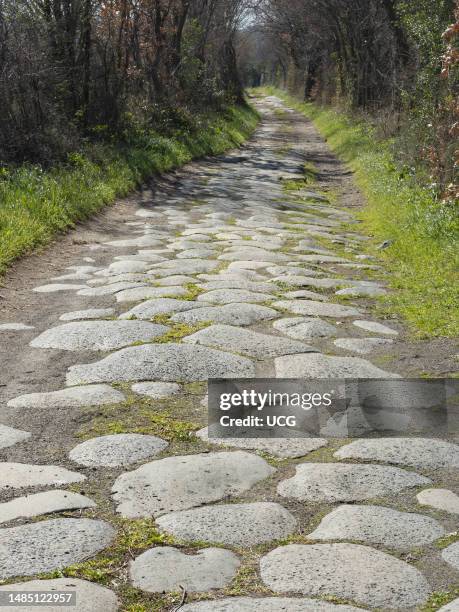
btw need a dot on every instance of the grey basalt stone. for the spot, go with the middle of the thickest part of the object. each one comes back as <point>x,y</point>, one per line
<point>246,342</point>
<point>15,327</point>
<point>111,288</point>
<point>116,450</point>
<point>152,308</point>
<point>184,266</point>
<point>253,254</point>
<point>378,525</point>
<point>83,315</point>
<point>304,328</point>
<point>239,314</point>
<point>343,482</point>
<point>46,502</point>
<point>49,545</point>
<point>98,335</point>
<point>164,569</point>
<point>376,328</point>
<point>363,346</point>
<point>317,309</point>
<point>307,281</point>
<point>348,571</point>
<point>231,524</point>
<point>237,284</point>
<point>9,436</point>
<point>228,296</point>
<point>183,482</point>
<point>452,606</point>
<point>440,499</point>
<point>285,448</point>
<point>415,452</point>
<point>142,241</point>
<point>24,475</point>
<point>75,397</point>
<point>162,362</point>
<point>56,287</point>
<point>450,554</point>
<point>266,604</point>
<point>145,293</point>
<point>156,390</point>
<point>314,365</point>
<point>362,291</point>
<point>90,597</point>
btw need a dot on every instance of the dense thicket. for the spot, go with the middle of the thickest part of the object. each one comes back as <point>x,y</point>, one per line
<point>396,58</point>
<point>73,69</point>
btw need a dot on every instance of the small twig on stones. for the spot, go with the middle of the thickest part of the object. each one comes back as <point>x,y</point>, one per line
<point>182,601</point>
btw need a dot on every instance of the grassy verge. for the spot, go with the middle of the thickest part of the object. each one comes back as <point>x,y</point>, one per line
<point>36,204</point>
<point>423,257</point>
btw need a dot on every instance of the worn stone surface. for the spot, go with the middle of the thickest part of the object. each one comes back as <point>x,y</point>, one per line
<point>453,606</point>
<point>180,483</point>
<point>9,436</point>
<point>55,287</point>
<point>303,328</point>
<point>91,313</point>
<point>232,524</point>
<point>152,308</point>
<point>416,452</point>
<point>252,254</point>
<point>23,475</point>
<point>110,288</point>
<point>378,525</point>
<point>337,482</point>
<point>98,335</point>
<point>229,314</point>
<point>314,365</point>
<point>246,342</point>
<point>49,545</point>
<point>166,569</point>
<point>278,447</point>
<point>348,571</point>
<point>15,327</point>
<point>317,309</point>
<point>75,397</point>
<point>184,266</point>
<point>116,450</point>
<point>46,502</point>
<point>156,390</point>
<point>450,554</point>
<point>144,293</point>
<point>90,597</point>
<point>228,296</point>
<point>363,346</point>
<point>165,362</point>
<point>376,328</point>
<point>266,604</point>
<point>440,499</point>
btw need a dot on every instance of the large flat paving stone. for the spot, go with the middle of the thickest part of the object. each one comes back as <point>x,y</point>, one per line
<point>141,241</point>
<point>228,296</point>
<point>144,293</point>
<point>181,483</point>
<point>164,362</point>
<point>285,448</point>
<point>90,313</point>
<point>314,308</point>
<point>314,365</point>
<point>90,597</point>
<point>239,314</point>
<point>246,342</point>
<point>116,450</point>
<point>363,346</point>
<point>304,328</point>
<point>184,266</point>
<point>152,308</point>
<point>56,287</point>
<point>46,502</point>
<point>231,524</point>
<point>237,284</point>
<point>98,335</point>
<point>166,569</point>
<point>75,397</point>
<point>9,436</point>
<point>110,288</point>
<point>50,545</point>
<point>378,525</point>
<point>253,254</point>
<point>451,555</point>
<point>348,571</point>
<point>341,482</point>
<point>415,452</point>
<point>266,604</point>
<point>376,328</point>
<point>156,390</point>
<point>23,475</point>
<point>440,499</point>
<point>452,606</point>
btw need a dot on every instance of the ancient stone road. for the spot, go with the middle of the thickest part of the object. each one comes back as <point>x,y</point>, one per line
<point>225,274</point>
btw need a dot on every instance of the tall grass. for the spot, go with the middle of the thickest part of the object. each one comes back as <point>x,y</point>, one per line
<point>35,203</point>
<point>423,259</point>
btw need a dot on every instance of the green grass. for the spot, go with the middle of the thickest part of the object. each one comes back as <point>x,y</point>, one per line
<point>423,259</point>
<point>36,204</point>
